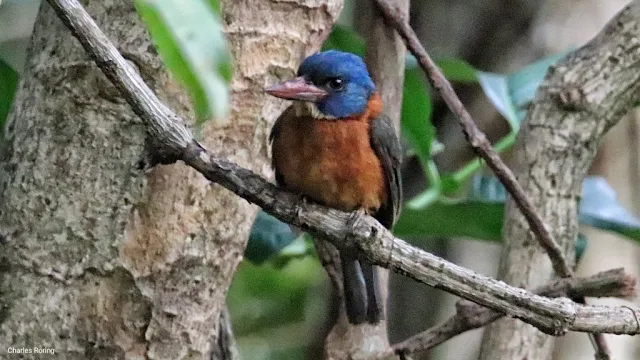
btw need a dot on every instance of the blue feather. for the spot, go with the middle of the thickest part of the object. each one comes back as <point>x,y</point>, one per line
<point>358,87</point>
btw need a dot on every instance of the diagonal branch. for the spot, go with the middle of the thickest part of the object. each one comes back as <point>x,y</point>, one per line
<point>483,147</point>
<point>477,138</point>
<point>344,230</point>
<point>469,316</point>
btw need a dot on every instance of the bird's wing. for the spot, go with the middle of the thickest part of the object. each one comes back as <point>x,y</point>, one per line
<point>274,136</point>
<point>385,143</point>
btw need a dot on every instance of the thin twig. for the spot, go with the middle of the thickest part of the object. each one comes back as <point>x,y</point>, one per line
<point>469,316</point>
<point>483,148</point>
<point>477,138</point>
<point>348,231</point>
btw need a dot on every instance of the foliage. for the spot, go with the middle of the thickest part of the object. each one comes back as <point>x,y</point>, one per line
<point>188,36</point>
<point>268,236</point>
<point>480,214</point>
<point>270,308</point>
<point>600,208</point>
<point>8,87</point>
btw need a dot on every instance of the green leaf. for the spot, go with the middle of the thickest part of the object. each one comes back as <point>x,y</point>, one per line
<point>511,94</point>
<point>189,37</point>
<point>344,38</point>
<point>496,88</point>
<point>458,70</point>
<point>600,208</point>
<point>301,247</point>
<point>215,6</point>
<point>524,83</point>
<point>581,246</point>
<point>480,215</point>
<point>263,297</point>
<point>416,115</point>
<point>8,87</point>
<point>477,219</point>
<point>267,238</point>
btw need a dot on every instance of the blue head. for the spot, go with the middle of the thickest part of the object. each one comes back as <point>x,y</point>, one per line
<point>337,82</point>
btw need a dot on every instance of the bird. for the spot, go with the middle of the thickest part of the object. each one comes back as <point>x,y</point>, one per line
<point>335,146</point>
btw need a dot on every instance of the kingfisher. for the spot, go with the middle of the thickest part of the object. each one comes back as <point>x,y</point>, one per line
<point>335,146</point>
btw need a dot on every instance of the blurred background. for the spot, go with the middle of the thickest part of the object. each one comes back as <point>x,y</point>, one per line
<point>281,303</point>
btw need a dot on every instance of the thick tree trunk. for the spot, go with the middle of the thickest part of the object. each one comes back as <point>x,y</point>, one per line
<point>560,25</point>
<point>555,148</point>
<point>101,260</point>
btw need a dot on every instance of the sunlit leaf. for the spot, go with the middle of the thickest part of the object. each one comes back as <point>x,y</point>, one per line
<point>600,208</point>
<point>189,37</point>
<point>524,83</point>
<point>511,94</point>
<point>496,88</point>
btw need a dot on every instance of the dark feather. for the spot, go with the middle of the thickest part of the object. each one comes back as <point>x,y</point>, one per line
<point>356,290</point>
<point>275,132</point>
<point>385,143</point>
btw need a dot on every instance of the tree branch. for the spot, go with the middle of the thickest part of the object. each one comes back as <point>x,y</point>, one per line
<point>483,147</point>
<point>469,316</point>
<point>476,137</point>
<point>344,230</point>
<point>582,96</point>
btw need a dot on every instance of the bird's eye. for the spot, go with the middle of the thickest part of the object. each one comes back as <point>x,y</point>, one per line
<point>335,84</point>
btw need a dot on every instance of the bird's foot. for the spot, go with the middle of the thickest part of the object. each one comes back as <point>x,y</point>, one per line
<point>302,204</point>
<point>355,216</point>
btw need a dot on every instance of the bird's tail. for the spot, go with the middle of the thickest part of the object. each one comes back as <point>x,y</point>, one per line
<point>362,297</point>
<point>374,298</point>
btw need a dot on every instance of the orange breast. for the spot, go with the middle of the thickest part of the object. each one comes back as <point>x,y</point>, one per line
<point>331,162</point>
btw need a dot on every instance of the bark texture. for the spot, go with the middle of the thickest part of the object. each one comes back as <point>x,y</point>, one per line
<point>102,260</point>
<point>560,25</point>
<point>579,101</point>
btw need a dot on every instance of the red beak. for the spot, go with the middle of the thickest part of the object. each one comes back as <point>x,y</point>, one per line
<point>297,89</point>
